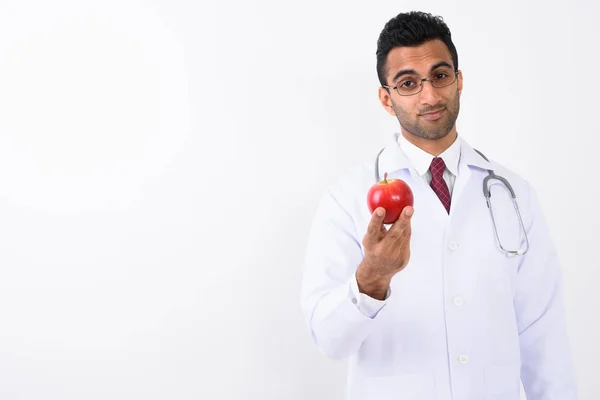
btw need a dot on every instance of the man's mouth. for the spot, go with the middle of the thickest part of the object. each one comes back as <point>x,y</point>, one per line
<point>432,116</point>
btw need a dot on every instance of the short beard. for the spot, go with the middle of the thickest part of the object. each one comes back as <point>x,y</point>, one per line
<point>430,133</point>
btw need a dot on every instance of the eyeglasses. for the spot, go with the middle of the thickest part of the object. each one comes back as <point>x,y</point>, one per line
<point>410,84</point>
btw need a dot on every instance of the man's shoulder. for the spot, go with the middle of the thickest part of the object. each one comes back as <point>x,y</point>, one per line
<point>500,168</point>
<point>356,179</point>
<point>519,183</point>
<point>506,172</point>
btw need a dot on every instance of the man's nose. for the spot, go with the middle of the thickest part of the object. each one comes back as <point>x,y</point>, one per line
<point>429,94</point>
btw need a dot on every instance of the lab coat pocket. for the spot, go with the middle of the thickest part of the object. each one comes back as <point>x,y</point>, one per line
<point>502,382</point>
<point>405,387</point>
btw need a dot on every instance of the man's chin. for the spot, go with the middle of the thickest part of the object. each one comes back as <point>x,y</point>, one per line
<point>427,134</point>
<point>433,135</point>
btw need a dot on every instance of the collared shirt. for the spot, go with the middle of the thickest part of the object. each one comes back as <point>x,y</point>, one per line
<point>420,160</point>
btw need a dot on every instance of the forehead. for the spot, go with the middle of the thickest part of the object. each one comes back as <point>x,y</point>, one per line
<point>420,58</point>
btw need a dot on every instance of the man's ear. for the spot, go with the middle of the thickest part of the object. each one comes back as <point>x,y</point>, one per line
<point>386,100</point>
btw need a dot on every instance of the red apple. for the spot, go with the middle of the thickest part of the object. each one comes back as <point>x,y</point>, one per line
<point>391,194</point>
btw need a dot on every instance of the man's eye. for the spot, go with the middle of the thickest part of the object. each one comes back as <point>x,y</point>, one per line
<point>407,84</point>
<point>440,75</point>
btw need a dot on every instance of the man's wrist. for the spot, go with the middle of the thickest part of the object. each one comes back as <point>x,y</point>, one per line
<point>372,283</point>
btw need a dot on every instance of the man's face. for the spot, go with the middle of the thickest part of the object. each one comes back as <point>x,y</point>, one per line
<point>415,112</point>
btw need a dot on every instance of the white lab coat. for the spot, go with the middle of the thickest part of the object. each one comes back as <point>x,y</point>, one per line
<point>463,321</point>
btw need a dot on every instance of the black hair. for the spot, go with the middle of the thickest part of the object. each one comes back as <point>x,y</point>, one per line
<point>411,29</point>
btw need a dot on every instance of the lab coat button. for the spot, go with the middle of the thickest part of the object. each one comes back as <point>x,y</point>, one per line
<point>452,245</point>
<point>463,359</point>
<point>458,301</point>
<point>354,301</point>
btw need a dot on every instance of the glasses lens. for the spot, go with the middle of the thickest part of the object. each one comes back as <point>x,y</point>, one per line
<point>443,77</point>
<point>408,85</point>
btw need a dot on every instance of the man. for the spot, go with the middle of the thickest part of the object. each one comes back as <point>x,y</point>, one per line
<point>445,303</point>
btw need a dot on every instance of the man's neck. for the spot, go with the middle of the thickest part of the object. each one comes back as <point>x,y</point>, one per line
<point>433,147</point>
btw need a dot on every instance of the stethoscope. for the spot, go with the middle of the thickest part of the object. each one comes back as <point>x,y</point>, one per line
<point>488,196</point>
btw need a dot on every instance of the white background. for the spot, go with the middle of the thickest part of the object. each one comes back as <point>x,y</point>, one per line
<point>161,161</point>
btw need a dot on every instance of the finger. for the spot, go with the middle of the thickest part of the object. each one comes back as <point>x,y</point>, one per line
<point>402,222</point>
<point>400,239</point>
<point>375,227</point>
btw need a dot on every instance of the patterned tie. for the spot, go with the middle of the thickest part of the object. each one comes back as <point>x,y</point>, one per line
<point>437,182</point>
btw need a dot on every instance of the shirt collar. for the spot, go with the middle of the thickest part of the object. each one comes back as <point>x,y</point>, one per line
<point>421,160</point>
<point>391,158</point>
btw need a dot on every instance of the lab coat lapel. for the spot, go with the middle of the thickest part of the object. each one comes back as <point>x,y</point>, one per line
<point>392,159</point>
<point>464,175</point>
<point>469,158</point>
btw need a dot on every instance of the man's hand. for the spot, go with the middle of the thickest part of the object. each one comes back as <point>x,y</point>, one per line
<point>386,252</point>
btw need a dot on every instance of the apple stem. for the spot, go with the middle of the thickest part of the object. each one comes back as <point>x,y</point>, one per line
<point>385,177</point>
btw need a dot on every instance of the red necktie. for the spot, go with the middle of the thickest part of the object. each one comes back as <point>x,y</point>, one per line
<point>437,182</point>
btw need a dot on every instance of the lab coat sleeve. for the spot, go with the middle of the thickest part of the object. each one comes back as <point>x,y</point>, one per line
<point>546,365</point>
<point>365,303</point>
<point>333,253</point>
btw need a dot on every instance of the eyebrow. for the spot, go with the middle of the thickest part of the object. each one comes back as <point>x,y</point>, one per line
<point>412,71</point>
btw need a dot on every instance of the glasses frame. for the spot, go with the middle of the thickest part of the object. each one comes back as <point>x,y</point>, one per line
<point>421,85</point>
